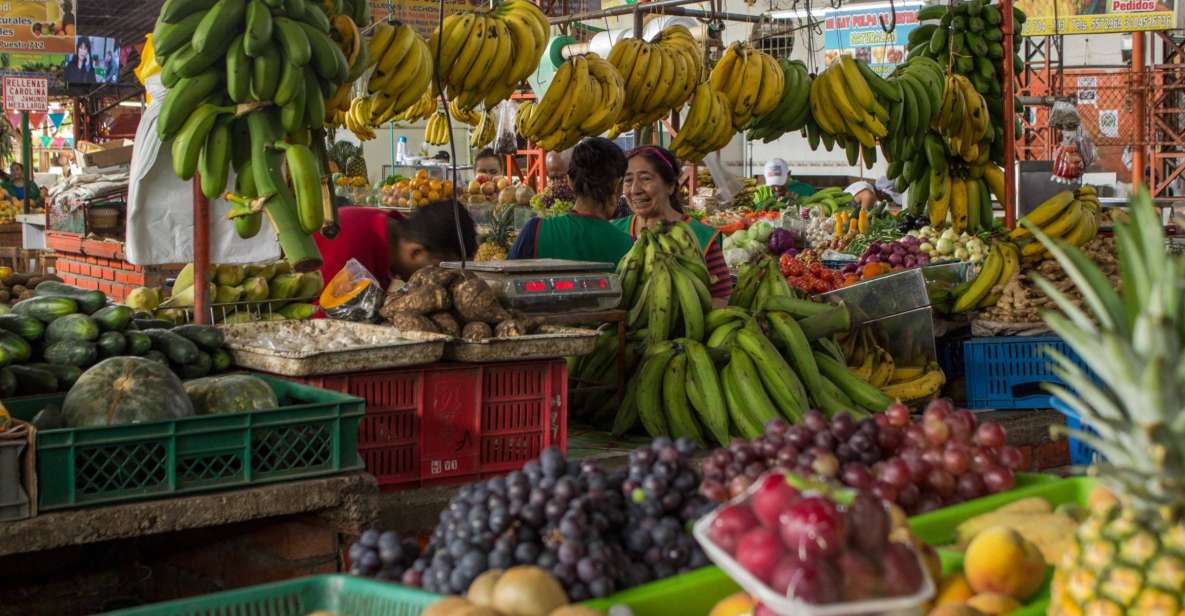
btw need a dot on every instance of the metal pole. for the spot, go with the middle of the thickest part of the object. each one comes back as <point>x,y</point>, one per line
<point>201,254</point>
<point>624,9</point>
<point>1009,117</point>
<point>26,157</point>
<point>1137,88</point>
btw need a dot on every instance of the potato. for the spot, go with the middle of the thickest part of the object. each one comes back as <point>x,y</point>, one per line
<point>421,300</point>
<point>511,328</point>
<point>408,322</point>
<point>476,331</point>
<point>434,275</point>
<point>476,301</point>
<point>447,323</point>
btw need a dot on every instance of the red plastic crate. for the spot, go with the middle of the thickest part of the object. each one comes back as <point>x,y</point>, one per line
<point>453,423</point>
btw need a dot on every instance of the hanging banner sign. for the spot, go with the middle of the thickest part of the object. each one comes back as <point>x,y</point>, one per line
<point>26,94</point>
<point>1095,16</point>
<point>858,32</point>
<point>422,15</point>
<point>37,26</point>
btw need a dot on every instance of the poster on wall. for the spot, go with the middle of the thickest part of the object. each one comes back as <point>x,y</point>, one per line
<point>1109,122</point>
<point>1088,93</point>
<point>858,32</point>
<point>1050,17</point>
<point>36,36</point>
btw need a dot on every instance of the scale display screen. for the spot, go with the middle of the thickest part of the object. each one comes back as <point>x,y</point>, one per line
<point>567,285</point>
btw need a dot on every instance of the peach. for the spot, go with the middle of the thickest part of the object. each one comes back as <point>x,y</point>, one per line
<point>994,604</point>
<point>955,610</point>
<point>954,590</point>
<point>999,560</point>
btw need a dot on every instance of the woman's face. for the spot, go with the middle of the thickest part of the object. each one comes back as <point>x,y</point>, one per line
<point>84,54</point>
<point>487,166</point>
<point>648,195</point>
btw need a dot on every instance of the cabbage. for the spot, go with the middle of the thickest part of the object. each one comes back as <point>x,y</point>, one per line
<point>761,231</point>
<point>736,257</point>
<point>780,241</point>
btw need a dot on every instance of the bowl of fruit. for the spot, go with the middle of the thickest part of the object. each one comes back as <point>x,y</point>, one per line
<point>804,548</point>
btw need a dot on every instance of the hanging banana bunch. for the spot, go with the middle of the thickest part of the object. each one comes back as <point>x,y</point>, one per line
<point>483,134</point>
<point>659,76</point>
<point>436,132</point>
<point>583,100</point>
<point>752,81</point>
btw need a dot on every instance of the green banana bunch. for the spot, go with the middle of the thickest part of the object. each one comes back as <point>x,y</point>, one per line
<point>793,109</point>
<point>665,283</point>
<point>248,83</point>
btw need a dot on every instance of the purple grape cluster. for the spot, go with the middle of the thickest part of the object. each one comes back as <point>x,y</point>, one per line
<point>383,556</point>
<point>661,491</point>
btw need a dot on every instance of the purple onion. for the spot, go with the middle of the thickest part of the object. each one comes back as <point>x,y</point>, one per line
<point>900,250</point>
<point>896,259</point>
<point>911,241</point>
<point>851,268</point>
<point>923,260</point>
<point>793,252</point>
<point>872,259</point>
<point>873,246</point>
<point>911,261</point>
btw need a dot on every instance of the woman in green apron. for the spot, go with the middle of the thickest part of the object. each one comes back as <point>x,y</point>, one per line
<point>652,192</point>
<point>584,233</point>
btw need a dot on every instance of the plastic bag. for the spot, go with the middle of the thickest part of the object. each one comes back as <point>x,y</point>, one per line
<point>506,143</point>
<point>353,294</point>
<point>1071,159</point>
<point>727,185</point>
<point>1064,116</point>
<point>148,65</point>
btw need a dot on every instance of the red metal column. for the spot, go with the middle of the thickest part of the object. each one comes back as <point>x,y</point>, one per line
<point>201,254</point>
<point>1139,110</point>
<point>1009,117</point>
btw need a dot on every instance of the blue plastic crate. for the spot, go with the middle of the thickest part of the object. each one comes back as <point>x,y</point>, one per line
<point>1007,372</point>
<point>1081,454</point>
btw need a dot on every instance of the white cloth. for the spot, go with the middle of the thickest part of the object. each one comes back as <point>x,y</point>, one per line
<point>160,206</point>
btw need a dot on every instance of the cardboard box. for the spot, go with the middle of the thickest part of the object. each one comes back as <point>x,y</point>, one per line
<point>98,155</point>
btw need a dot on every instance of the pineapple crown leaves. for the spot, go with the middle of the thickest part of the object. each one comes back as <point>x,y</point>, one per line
<point>1134,345</point>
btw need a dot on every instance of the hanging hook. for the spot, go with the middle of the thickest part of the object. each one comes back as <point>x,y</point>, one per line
<point>892,19</point>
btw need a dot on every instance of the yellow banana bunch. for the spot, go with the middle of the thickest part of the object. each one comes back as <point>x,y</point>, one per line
<point>471,117</point>
<point>845,107</point>
<point>707,127</point>
<point>752,81</point>
<point>436,132</point>
<point>659,76</point>
<point>485,55</point>
<point>402,72</point>
<point>583,99</point>
<point>963,119</point>
<point>1071,216</point>
<point>484,132</point>
<point>420,110</point>
<point>357,118</point>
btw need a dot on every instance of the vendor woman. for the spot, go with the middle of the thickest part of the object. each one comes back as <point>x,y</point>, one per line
<point>584,233</point>
<point>15,185</point>
<point>389,245</point>
<point>652,192</point>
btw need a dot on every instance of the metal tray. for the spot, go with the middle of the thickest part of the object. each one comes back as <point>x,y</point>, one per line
<point>552,341</point>
<point>390,347</point>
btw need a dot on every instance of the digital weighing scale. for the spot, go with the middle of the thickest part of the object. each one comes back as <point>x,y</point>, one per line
<point>549,285</point>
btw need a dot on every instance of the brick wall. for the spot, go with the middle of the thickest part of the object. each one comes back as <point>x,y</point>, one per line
<point>115,277</point>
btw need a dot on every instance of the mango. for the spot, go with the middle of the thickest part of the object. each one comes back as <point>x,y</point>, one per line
<point>737,604</point>
<point>1000,560</point>
<point>994,604</point>
<point>954,590</point>
<point>955,610</point>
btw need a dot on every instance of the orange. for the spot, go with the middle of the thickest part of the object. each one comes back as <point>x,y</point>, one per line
<point>421,174</point>
<point>402,202</point>
<point>401,185</point>
<point>433,195</point>
<point>447,187</point>
<point>435,185</point>
<point>416,195</point>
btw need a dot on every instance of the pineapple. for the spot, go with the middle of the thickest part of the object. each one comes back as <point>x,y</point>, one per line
<point>1128,557</point>
<point>497,242</point>
<point>356,166</point>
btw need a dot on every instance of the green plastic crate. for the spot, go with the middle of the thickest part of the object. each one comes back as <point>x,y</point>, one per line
<point>340,594</point>
<point>313,433</point>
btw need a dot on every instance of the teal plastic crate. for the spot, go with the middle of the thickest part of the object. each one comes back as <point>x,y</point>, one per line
<point>313,433</point>
<point>339,594</point>
<point>694,592</point>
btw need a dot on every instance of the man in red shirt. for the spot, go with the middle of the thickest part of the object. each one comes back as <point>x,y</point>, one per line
<point>387,244</point>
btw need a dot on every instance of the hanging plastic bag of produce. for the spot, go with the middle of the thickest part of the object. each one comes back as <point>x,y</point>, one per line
<point>727,185</point>
<point>148,65</point>
<point>1075,154</point>
<point>354,294</point>
<point>506,143</point>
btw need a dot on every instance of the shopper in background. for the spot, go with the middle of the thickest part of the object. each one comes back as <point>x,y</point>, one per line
<point>584,233</point>
<point>777,176</point>
<point>887,191</point>
<point>652,192</point>
<point>863,193</point>
<point>15,185</point>
<point>557,167</point>
<point>487,163</point>
<point>387,244</point>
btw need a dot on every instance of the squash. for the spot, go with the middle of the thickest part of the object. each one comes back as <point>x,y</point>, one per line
<point>124,390</point>
<point>341,290</point>
<point>232,393</point>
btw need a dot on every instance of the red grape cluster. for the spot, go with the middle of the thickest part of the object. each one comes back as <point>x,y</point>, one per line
<point>943,458</point>
<point>804,545</point>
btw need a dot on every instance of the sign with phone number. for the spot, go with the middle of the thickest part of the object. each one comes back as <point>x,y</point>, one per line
<point>858,32</point>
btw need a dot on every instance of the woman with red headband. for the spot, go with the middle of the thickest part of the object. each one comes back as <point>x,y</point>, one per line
<point>652,191</point>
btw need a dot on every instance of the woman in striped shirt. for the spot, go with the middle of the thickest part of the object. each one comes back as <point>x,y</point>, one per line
<point>652,191</point>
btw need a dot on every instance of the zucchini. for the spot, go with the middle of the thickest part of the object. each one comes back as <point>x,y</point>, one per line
<point>144,324</point>
<point>88,301</point>
<point>8,385</point>
<point>67,375</point>
<point>46,309</point>
<point>220,360</point>
<point>72,353</point>
<point>207,337</point>
<point>32,380</point>
<point>196,369</point>
<point>72,327</point>
<point>113,318</point>
<point>156,355</point>
<point>112,344</point>
<point>17,348</point>
<point>138,343</point>
<point>26,327</point>
<point>179,349</point>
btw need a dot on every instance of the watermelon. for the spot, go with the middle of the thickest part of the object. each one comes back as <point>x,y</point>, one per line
<point>125,390</point>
